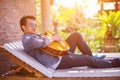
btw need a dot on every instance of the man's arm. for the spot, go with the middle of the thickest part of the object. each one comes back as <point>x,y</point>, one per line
<point>35,41</point>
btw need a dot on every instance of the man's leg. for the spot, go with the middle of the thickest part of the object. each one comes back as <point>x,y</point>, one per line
<point>76,40</point>
<point>78,60</point>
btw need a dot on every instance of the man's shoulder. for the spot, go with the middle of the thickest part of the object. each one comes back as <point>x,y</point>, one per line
<point>28,36</point>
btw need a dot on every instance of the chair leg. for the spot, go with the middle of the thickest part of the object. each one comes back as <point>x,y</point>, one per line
<point>12,72</point>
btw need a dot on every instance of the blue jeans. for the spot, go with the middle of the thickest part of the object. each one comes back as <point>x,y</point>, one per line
<point>84,59</point>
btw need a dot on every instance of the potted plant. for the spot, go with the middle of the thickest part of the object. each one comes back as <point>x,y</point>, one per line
<point>112,23</point>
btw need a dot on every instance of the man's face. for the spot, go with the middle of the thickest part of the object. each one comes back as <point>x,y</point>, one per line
<point>30,27</point>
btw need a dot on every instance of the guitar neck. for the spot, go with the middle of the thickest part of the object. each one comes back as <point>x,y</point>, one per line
<point>55,25</point>
<point>55,30</point>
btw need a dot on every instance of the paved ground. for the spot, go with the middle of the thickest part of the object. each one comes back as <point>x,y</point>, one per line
<point>31,78</point>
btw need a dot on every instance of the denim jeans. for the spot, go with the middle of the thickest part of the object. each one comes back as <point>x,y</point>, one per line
<point>84,59</point>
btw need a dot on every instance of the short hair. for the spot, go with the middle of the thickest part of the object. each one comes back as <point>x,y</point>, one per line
<point>23,20</point>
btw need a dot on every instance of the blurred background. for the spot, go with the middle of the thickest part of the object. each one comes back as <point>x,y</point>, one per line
<point>97,20</point>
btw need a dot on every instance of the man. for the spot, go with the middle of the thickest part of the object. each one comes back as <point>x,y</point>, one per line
<point>33,44</point>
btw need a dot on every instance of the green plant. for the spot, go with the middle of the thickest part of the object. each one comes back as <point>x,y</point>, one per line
<point>111,21</point>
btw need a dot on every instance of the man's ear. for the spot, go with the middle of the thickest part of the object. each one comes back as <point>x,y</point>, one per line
<point>23,27</point>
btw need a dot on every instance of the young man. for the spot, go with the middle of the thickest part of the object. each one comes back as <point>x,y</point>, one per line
<point>33,44</point>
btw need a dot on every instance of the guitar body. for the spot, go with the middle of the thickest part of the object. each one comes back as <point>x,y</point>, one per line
<point>56,48</point>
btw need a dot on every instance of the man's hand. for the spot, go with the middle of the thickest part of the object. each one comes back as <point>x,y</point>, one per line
<point>56,38</point>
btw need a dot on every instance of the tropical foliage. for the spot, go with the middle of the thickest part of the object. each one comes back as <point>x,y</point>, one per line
<point>111,21</point>
<point>73,19</point>
<point>89,28</point>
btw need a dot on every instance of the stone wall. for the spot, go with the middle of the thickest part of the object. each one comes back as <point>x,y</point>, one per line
<point>10,13</point>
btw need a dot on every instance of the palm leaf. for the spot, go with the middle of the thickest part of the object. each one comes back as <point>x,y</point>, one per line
<point>117,18</point>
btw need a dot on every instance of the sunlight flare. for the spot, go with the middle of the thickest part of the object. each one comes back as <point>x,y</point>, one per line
<point>90,8</point>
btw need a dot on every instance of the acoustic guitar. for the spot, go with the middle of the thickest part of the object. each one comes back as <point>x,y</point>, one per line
<point>56,48</point>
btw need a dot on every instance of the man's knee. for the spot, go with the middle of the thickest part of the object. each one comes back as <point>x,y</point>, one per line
<point>77,34</point>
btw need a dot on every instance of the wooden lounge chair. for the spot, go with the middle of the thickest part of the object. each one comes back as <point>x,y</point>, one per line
<point>15,51</point>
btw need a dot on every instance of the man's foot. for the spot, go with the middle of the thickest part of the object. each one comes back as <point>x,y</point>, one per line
<point>99,56</point>
<point>116,62</point>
